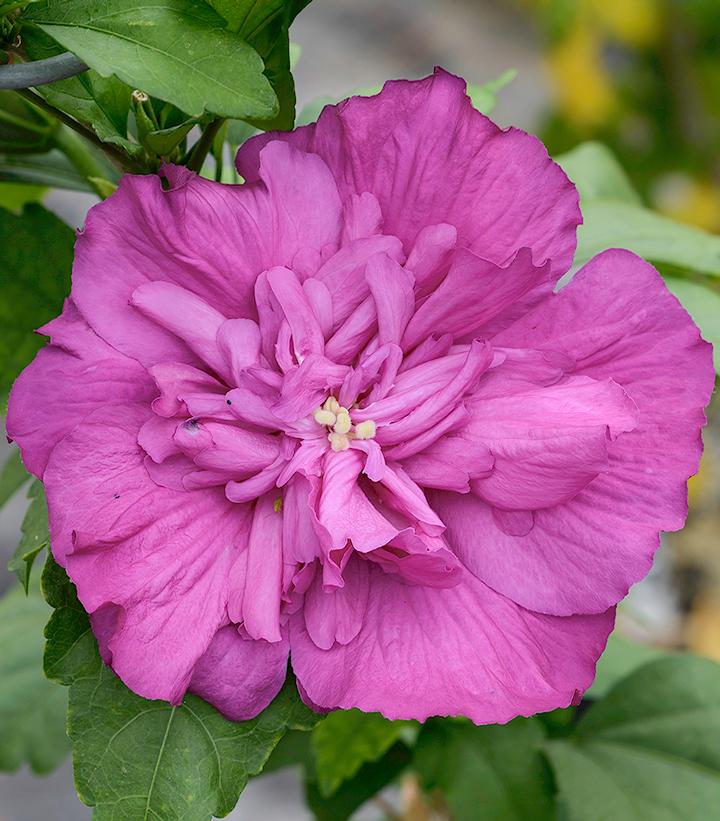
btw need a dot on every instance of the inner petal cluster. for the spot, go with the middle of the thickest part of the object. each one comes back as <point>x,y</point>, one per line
<point>364,383</point>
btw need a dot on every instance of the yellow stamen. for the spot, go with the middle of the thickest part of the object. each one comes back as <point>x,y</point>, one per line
<point>338,441</point>
<point>324,417</point>
<point>332,405</point>
<point>365,430</point>
<point>343,423</point>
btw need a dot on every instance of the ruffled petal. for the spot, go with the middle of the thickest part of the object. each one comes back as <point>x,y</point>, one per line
<point>66,381</point>
<point>462,650</point>
<point>336,614</point>
<point>428,156</point>
<point>163,557</point>
<point>548,443</point>
<point>211,239</point>
<point>473,293</point>
<point>618,321</point>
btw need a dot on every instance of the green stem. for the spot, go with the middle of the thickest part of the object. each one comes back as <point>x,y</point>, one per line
<point>11,119</point>
<point>82,158</point>
<point>120,157</point>
<point>204,144</point>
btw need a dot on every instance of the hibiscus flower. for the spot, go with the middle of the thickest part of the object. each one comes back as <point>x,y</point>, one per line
<point>342,414</point>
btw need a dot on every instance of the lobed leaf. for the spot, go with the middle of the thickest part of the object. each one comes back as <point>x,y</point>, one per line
<point>493,772</point>
<point>135,758</point>
<point>648,750</point>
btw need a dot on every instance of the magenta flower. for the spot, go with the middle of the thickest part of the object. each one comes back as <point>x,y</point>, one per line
<point>338,413</point>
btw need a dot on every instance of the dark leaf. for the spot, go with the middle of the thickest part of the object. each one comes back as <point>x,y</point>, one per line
<point>52,169</point>
<point>494,772</point>
<point>135,758</point>
<point>649,749</point>
<point>366,784</point>
<point>102,103</point>
<point>34,285</point>
<point>23,129</point>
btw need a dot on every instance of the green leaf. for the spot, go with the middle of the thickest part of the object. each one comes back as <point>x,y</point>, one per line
<point>370,779</point>
<point>135,758</point>
<point>52,169</point>
<point>15,196</point>
<point>103,103</point>
<point>597,174</point>
<point>703,305</point>
<point>293,750</point>
<point>266,27</point>
<point>32,710</point>
<point>346,740</point>
<point>616,224</point>
<point>147,759</point>
<point>177,51</point>
<point>11,5</point>
<point>35,536</point>
<point>621,657</point>
<point>484,96</point>
<point>12,476</point>
<point>23,129</point>
<point>35,284</point>
<point>493,772</point>
<point>165,140</point>
<point>649,750</point>
<point>614,218</point>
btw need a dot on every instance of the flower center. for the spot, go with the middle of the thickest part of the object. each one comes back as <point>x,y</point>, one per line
<point>336,418</point>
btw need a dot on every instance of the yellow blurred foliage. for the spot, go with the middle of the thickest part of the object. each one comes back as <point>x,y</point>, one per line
<point>687,199</point>
<point>702,631</point>
<point>634,22</point>
<point>582,84</point>
<point>702,485</point>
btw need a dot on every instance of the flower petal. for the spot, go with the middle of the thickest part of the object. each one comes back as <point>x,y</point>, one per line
<point>263,586</point>
<point>238,676</point>
<point>164,557</point>
<point>336,614</point>
<point>428,156</point>
<point>463,650</point>
<point>618,321</point>
<point>211,239</point>
<point>64,384</point>
<point>474,292</point>
<point>547,443</point>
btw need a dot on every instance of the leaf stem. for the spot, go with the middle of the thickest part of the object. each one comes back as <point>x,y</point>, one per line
<point>202,147</point>
<point>120,157</point>
<point>83,160</point>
